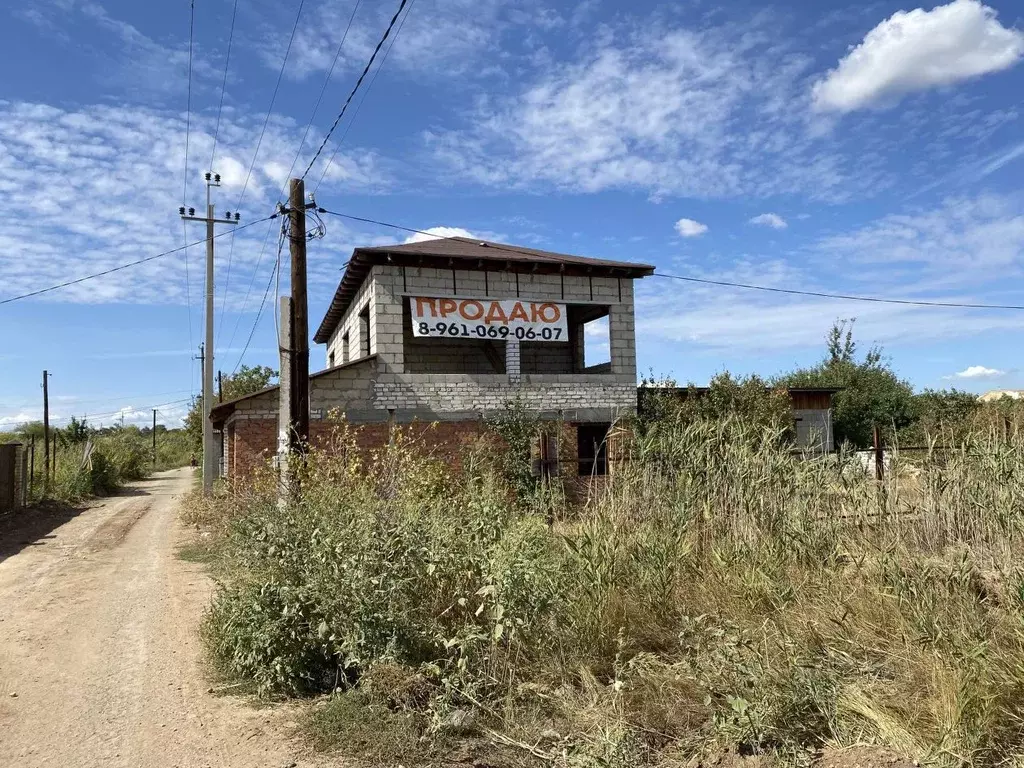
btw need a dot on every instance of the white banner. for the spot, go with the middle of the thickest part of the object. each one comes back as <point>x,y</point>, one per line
<point>488,319</point>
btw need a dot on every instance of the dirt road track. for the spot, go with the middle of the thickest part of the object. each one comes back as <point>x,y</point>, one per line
<point>100,663</point>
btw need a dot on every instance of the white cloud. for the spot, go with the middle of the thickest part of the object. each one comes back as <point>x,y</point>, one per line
<point>965,250</point>
<point>104,184</point>
<point>978,372</point>
<point>772,220</point>
<point>916,50</point>
<point>690,228</point>
<point>434,233</point>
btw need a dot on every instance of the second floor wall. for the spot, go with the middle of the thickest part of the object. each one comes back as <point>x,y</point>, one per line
<point>599,313</point>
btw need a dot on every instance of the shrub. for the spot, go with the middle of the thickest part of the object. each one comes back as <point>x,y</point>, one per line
<point>720,593</point>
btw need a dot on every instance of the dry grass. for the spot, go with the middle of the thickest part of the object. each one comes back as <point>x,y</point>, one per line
<point>719,594</point>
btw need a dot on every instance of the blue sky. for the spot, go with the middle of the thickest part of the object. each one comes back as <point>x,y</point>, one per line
<point>866,148</point>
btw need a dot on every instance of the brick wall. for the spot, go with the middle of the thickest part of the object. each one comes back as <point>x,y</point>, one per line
<point>254,440</point>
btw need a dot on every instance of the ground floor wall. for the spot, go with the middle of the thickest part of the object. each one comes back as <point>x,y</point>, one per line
<point>251,445</point>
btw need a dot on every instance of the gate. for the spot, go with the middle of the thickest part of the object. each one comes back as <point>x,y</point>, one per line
<point>12,477</point>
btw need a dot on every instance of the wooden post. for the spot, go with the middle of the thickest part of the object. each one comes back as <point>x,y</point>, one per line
<point>46,432</point>
<point>32,466</point>
<point>220,386</point>
<point>300,315</point>
<point>879,454</point>
<point>154,438</point>
<point>285,428</point>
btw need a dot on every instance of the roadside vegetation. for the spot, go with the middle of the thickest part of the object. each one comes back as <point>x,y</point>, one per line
<point>94,462</point>
<point>718,594</point>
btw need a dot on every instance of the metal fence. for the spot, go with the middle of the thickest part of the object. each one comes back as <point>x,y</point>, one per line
<point>13,476</point>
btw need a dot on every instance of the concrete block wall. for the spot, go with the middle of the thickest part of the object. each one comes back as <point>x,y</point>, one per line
<point>436,394</point>
<point>350,325</point>
<point>546,357</point>
<point>393,286</point>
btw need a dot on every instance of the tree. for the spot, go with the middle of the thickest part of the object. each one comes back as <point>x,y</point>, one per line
<point>870,392</point>
<point>245,382</point>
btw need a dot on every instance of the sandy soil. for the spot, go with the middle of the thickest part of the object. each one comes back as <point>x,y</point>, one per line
<point>100,663</point>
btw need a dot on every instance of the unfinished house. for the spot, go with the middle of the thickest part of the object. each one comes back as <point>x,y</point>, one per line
<point>447,332</point>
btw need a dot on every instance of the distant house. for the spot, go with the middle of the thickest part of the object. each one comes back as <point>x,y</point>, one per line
<point>812,413</point>
<point>446,332</point>
<point>999,394</point>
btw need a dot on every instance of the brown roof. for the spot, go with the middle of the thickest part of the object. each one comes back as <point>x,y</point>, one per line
<point>464,253</point>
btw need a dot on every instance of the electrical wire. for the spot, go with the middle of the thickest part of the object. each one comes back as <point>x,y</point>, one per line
<point>119,411</point>
<point>252,282</point>
<point>184,189</point>
<point>259,312</point>
<point>844,297</point>
<point>270,109</point>
<point>298,153</point>
<point>259,142</point>
<point>323,89</point>
<point>725,283</point>
<point>224,84</point>
<point>77,280</point>
<point>359,82</point>
<point>362,100</point>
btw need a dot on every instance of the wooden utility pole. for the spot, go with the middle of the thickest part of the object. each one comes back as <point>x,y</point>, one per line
<point>154,437</point>
<point>220,386</point>
<point>209,459</point>
<point>299,417</point>
<point>46,432</point>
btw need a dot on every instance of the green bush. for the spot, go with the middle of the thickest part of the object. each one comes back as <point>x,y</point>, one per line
<point>719,593</point>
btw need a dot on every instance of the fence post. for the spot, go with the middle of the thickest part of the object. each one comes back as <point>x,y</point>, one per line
<point>879,454</point>
<point>32,468</point>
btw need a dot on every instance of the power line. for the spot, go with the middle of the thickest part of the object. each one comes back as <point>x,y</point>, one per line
<point>270,109</point>
<point>362,100</point>
<point>323,89</point>
<point>298,153</point>
<point>224,84</point>
<point>119,411</point>
<point>359,82</point>
<point>259,312</point>
<point>184,182</point>
<point>125,266</point>
<point>252,282</point>
<point>432,235</point>
<point>725,283</point>
<point>259,142</point>
<point>845,297</point>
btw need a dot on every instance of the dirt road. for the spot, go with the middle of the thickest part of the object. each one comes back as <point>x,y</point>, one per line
<point>100,663</point>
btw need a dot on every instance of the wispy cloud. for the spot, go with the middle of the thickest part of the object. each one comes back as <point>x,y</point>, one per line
<point>772,220</point>
<point>916,50</point>
<point>104,184</point>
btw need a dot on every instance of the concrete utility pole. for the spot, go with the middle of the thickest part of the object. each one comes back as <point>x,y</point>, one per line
<point>209,459</point>
<point>299,416</point>
<point>46,432</point>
